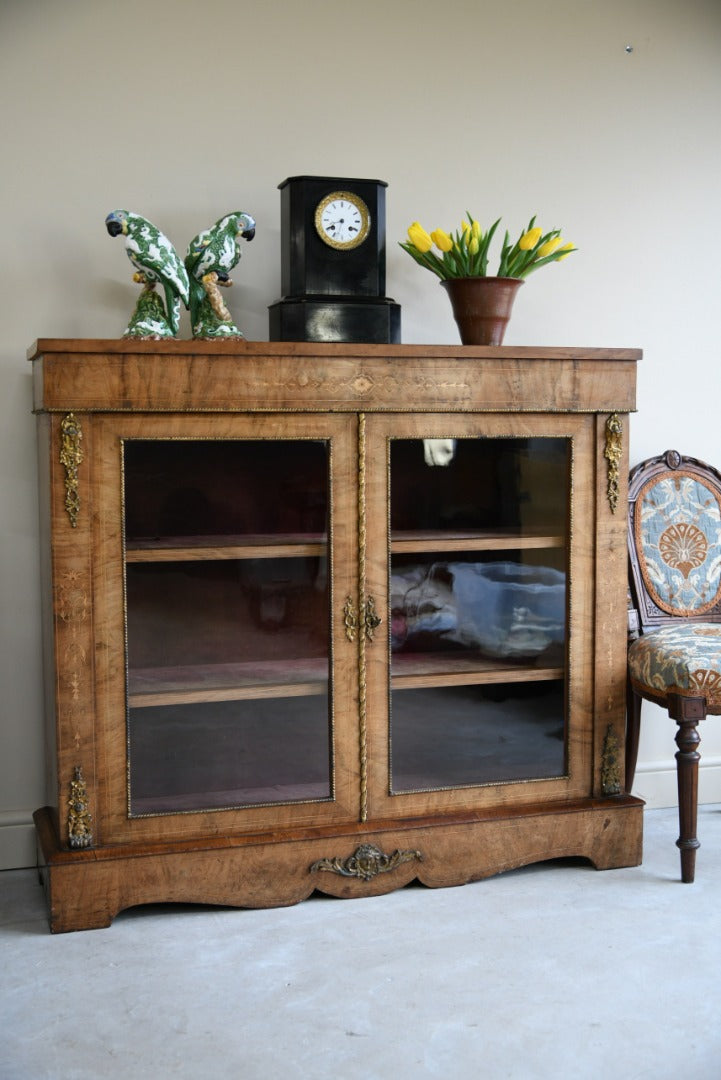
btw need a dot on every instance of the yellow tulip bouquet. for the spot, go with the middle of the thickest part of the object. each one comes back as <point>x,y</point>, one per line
<point>465,253</point>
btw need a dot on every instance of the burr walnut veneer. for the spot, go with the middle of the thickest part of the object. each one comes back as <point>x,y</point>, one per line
<point>328,617</point>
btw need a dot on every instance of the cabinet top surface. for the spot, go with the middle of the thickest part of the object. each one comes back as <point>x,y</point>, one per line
<point>126,375</point>
<point>128,346</point>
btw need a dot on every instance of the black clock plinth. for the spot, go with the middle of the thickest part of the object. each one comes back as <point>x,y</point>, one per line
<point>325,318</point>
<point>333,263</point>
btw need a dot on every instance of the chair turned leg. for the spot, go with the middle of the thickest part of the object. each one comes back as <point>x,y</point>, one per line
<point>633,728</point>
<point>687,711</point>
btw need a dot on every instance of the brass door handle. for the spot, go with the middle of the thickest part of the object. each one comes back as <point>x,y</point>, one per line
<point>371,619</point>
<point>350,620</point>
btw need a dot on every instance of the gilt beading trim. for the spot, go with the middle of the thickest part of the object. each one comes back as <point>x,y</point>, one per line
<point>362,687</point>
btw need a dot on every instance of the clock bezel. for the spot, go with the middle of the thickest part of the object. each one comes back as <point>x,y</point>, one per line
<point>359,203</point>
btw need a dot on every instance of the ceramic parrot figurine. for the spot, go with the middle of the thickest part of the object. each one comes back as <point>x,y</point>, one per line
<point>210,258</point>
<point>156,262</point>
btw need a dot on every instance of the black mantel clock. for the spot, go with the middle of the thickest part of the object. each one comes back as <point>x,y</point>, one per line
<point>333,263</point>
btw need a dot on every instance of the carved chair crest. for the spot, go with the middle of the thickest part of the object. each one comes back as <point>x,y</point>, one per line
<point>675,540</point>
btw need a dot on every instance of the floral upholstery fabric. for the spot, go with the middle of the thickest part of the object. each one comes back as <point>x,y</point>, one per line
<point>678,539</point>
<point>685,658</point>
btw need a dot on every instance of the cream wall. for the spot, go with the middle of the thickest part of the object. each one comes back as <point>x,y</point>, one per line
<point>183,110</point>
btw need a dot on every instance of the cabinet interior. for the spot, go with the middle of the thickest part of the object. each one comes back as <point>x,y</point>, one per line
<point>228,621</point>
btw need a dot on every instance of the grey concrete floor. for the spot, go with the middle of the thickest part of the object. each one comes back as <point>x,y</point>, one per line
<point>555,970</point>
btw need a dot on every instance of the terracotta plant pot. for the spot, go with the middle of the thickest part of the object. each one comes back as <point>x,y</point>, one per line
<point>482,307</point>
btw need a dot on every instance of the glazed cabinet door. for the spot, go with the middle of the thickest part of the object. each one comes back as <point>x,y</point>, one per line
<point>480,559</point>
<point>224,545</point>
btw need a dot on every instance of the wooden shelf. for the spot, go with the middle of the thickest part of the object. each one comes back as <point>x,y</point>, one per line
<point>414,671</point>
<point>212,548</point>
<point>474,540</point>
<point>201,683</point>
<point>198,684</point>
<point>300,545</point>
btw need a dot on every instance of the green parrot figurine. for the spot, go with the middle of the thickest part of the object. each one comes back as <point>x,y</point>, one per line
<point>156,262</point>
<point>210,258</point>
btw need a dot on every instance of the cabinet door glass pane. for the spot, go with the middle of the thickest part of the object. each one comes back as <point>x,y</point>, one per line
<point>227,619</point>
<point>478,594</point>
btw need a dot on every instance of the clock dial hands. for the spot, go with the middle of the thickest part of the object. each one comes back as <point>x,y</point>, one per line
<point>343,222</point>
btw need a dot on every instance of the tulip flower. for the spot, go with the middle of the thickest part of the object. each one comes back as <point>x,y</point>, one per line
<point>465,252</point>
<point>419,238</point>
<point>530,239</point>
<point>549,247</point>
<point>442,240</point>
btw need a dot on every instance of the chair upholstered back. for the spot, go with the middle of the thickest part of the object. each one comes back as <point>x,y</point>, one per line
<point>675,540</point>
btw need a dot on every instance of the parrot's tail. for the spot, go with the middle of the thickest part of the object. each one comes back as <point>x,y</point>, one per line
<point>172,303</point>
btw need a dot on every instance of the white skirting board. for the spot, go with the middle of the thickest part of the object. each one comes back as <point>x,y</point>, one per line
<point>17,839</point>
<point>655,782</point>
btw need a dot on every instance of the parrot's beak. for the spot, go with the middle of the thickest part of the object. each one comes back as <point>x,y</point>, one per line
<point>248,234</point>
<point>114,227</point>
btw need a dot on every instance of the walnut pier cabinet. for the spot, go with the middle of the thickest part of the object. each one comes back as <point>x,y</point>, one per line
<point>328,617</point>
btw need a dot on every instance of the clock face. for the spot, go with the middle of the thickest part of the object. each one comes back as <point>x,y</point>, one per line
<point>342,220</point>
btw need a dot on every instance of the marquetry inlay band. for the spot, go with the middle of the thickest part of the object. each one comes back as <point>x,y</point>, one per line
<point>611,764</point>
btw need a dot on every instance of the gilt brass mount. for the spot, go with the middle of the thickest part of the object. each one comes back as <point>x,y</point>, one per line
<point>71,454</point>
<point>366,862</point>
<point>613,454</point>
<point>80,820</point>
<point>350,619</point>
<point>371,618</point>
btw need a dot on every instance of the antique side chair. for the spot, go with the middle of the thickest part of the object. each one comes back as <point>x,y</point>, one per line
<point>674,543</point>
